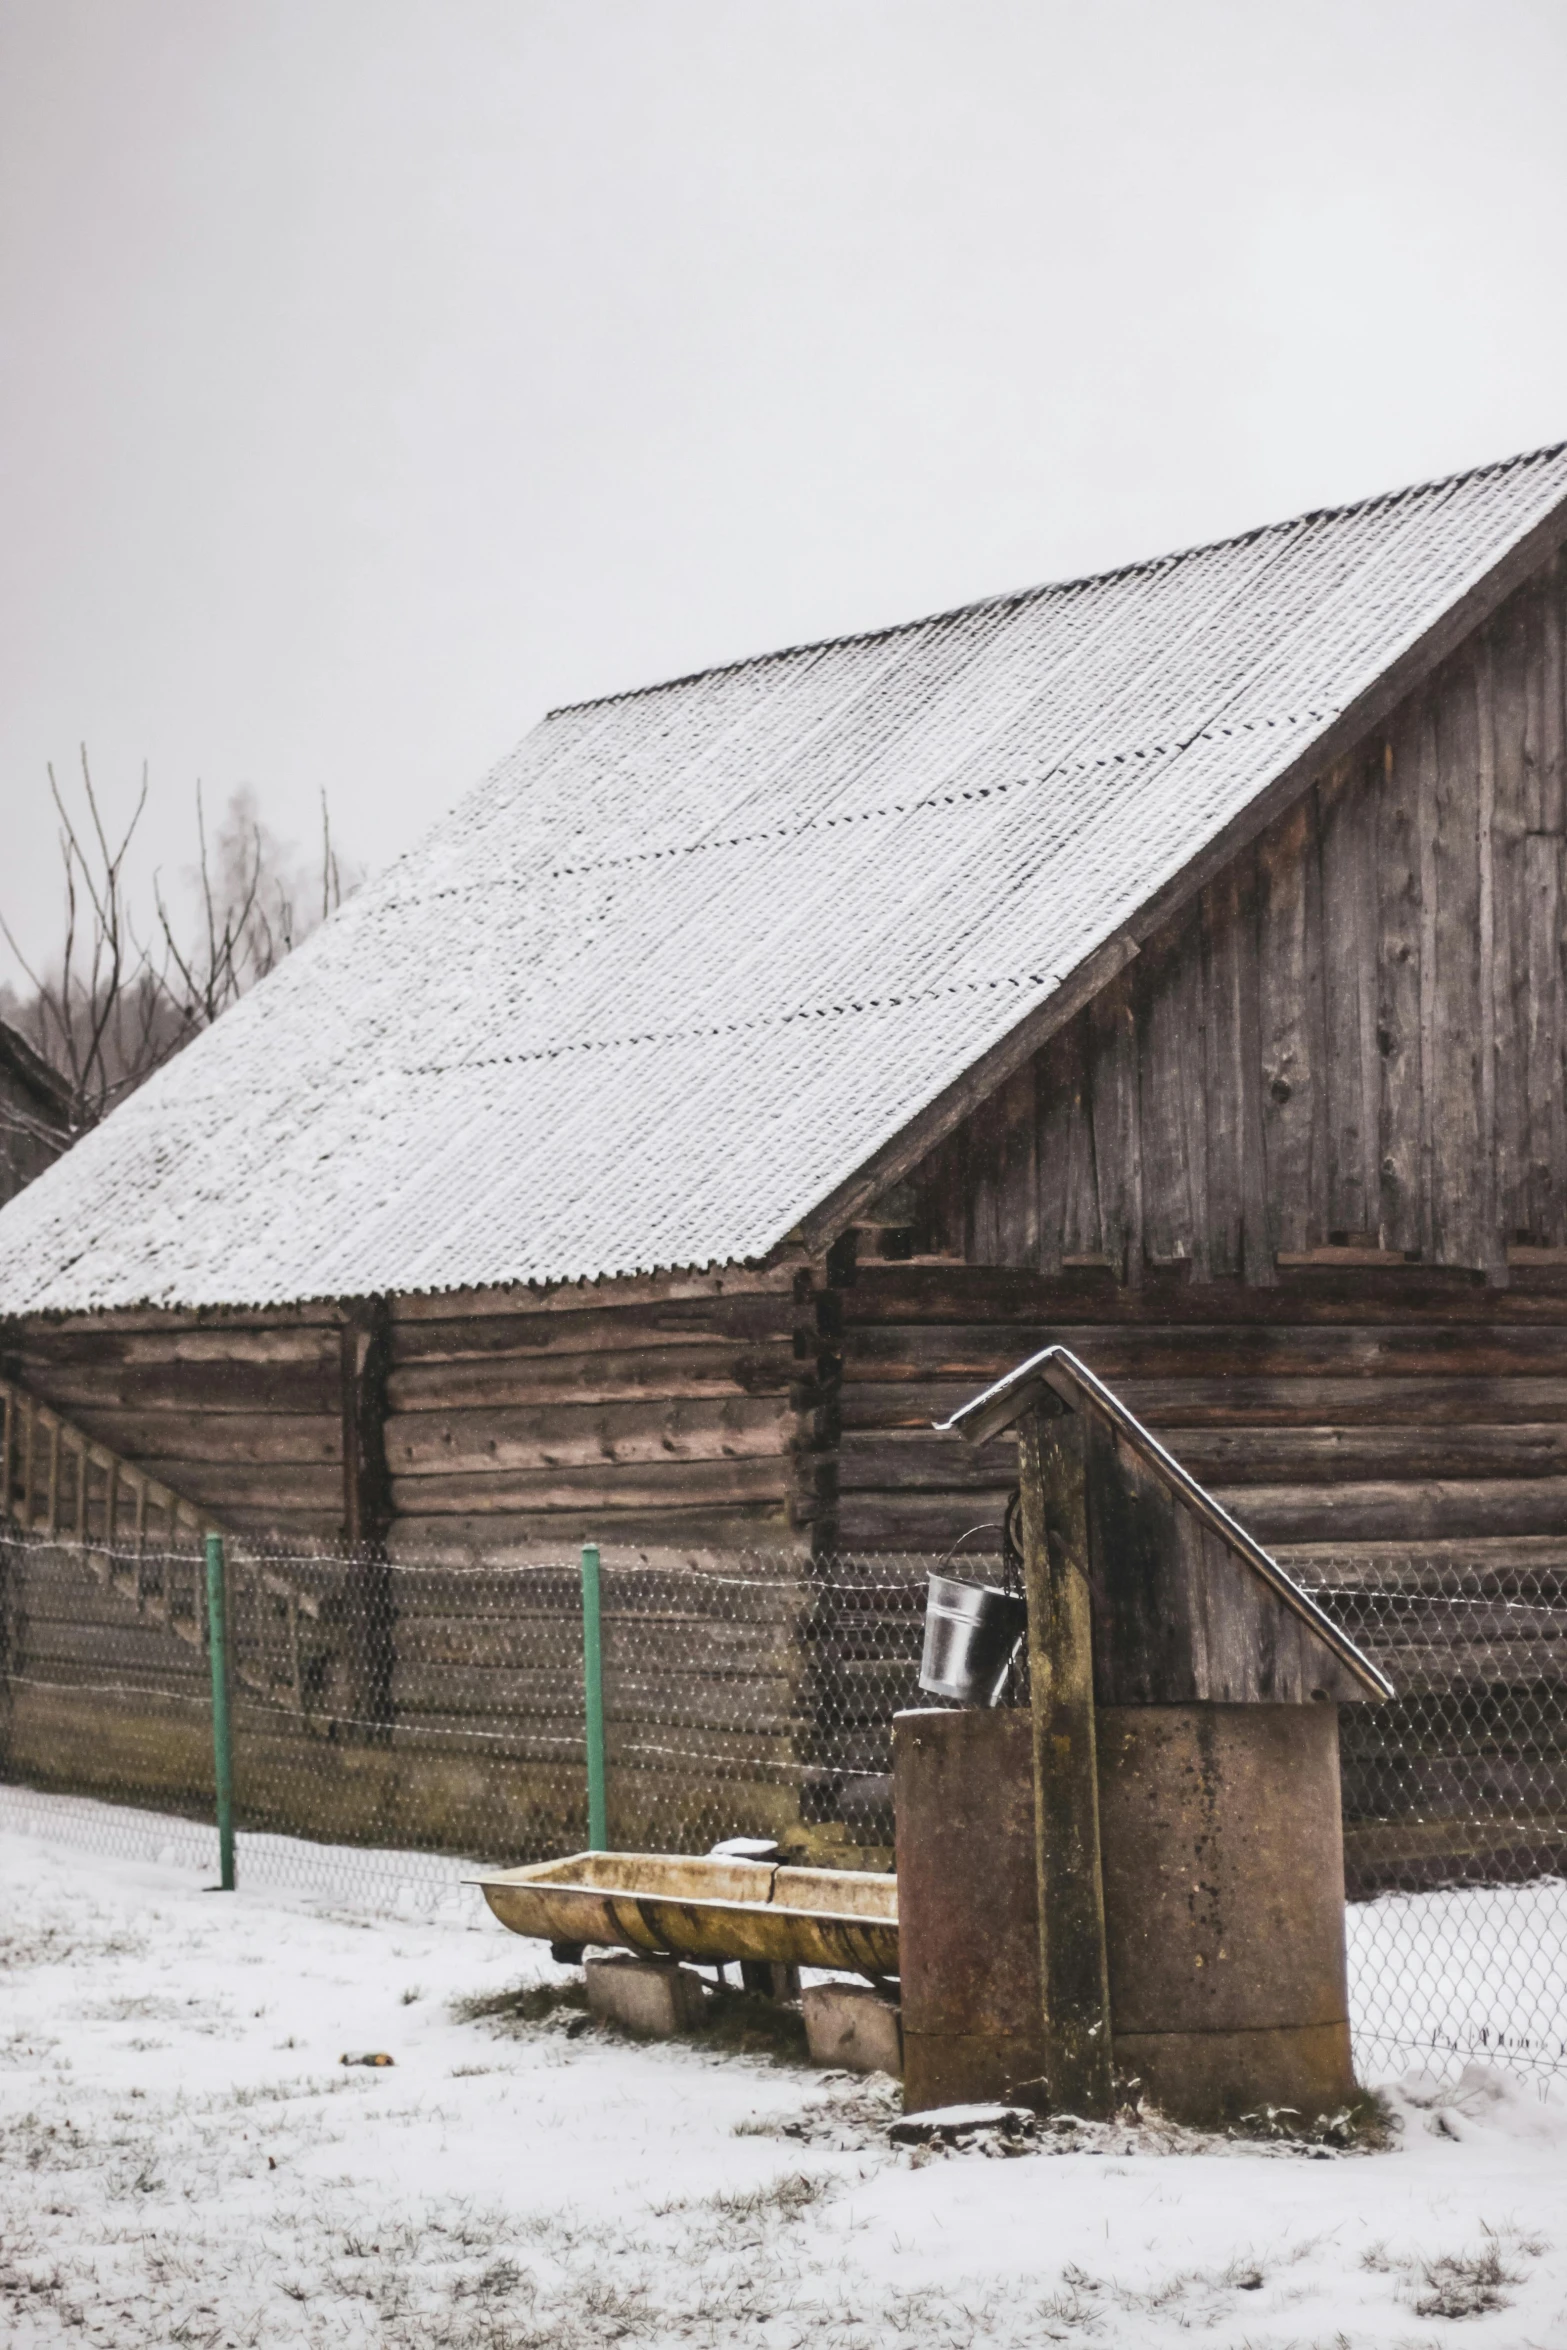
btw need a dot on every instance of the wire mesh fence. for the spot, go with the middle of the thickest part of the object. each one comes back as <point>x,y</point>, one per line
<point>1455,1801</point>
<point>395,1722</point>
<point>426,1707</point>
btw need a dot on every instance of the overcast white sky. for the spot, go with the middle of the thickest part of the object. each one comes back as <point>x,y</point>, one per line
<point>375,375</point>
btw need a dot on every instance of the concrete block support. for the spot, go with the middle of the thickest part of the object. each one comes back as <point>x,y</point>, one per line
<point>650,1995</point>
<point>851,2025</point>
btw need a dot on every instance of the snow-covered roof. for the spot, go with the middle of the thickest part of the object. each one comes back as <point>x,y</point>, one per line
<point>690,957</point>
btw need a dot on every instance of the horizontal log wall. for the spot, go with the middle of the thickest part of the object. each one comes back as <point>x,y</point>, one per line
<point>689,1410</point>
<point>1353,1037</point>
<point>1336,1406</point>
<point>238,1413</point>
<point>667,1413</point>
<point>687,1416</point>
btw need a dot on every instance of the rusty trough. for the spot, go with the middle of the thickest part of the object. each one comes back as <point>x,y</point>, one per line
<point>664,1906</point>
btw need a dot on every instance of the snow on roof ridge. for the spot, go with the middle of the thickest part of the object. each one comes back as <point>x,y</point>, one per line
<point>1011,598</point>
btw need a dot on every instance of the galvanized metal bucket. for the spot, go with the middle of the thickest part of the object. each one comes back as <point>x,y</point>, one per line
<point>971,1636</point>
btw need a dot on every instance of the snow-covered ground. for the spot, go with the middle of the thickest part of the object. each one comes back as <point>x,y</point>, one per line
<point>184,2160</point>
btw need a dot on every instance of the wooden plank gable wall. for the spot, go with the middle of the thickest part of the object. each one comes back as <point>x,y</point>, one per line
<point>1296,1181</point>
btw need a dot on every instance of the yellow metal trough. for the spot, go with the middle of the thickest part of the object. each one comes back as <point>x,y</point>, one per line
<point>664,1906</point>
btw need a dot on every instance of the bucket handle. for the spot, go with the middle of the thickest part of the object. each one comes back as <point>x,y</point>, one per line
<point>990,1527</point>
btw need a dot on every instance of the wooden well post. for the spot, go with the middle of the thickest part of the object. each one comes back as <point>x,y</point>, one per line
<point>1073,1968</point>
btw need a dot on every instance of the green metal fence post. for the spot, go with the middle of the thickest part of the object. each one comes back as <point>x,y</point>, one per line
<point>222,1734</point>
<point>593,1693</point>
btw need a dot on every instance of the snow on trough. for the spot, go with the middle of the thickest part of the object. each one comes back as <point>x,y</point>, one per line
<point>184,2160</point>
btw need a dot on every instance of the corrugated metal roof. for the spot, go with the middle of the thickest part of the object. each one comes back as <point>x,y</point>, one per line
<point>683,962</point>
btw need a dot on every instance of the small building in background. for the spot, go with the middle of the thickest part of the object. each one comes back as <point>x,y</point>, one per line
<point>34,1113</point>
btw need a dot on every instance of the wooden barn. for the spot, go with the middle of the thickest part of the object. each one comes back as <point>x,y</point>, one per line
<point>1169,964</point>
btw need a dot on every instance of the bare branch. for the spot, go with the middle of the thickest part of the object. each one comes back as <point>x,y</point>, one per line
<point>114,1005</point>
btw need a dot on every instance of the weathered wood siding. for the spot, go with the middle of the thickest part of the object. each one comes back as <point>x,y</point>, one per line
<point>1353,1037</point>
<point>241,1413</point>
<point>1340,1403</point>
<point>1295,1183</point>
<point>675,1411</point>
<point>682,1411</point>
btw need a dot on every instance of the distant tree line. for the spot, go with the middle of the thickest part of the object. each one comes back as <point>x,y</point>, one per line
<point>128,986</point>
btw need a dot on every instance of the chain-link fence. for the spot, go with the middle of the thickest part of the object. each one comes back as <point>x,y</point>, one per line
<point>426,1708</point>
<point>1455,1802</point>
<point>394,1722</point>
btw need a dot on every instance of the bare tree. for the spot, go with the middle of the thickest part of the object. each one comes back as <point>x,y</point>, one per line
<point>99,1015</point>
<point>120,999</point>
<point>252,909</point>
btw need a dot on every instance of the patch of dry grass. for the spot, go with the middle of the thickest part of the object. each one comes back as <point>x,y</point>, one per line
<point>523,2008</point>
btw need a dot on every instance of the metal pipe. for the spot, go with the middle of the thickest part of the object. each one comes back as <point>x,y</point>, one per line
<point>222,1730</point>
<point>593,1695</point>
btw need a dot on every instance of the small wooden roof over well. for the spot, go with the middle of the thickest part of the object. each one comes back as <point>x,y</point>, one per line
<point>1187,1606</point>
